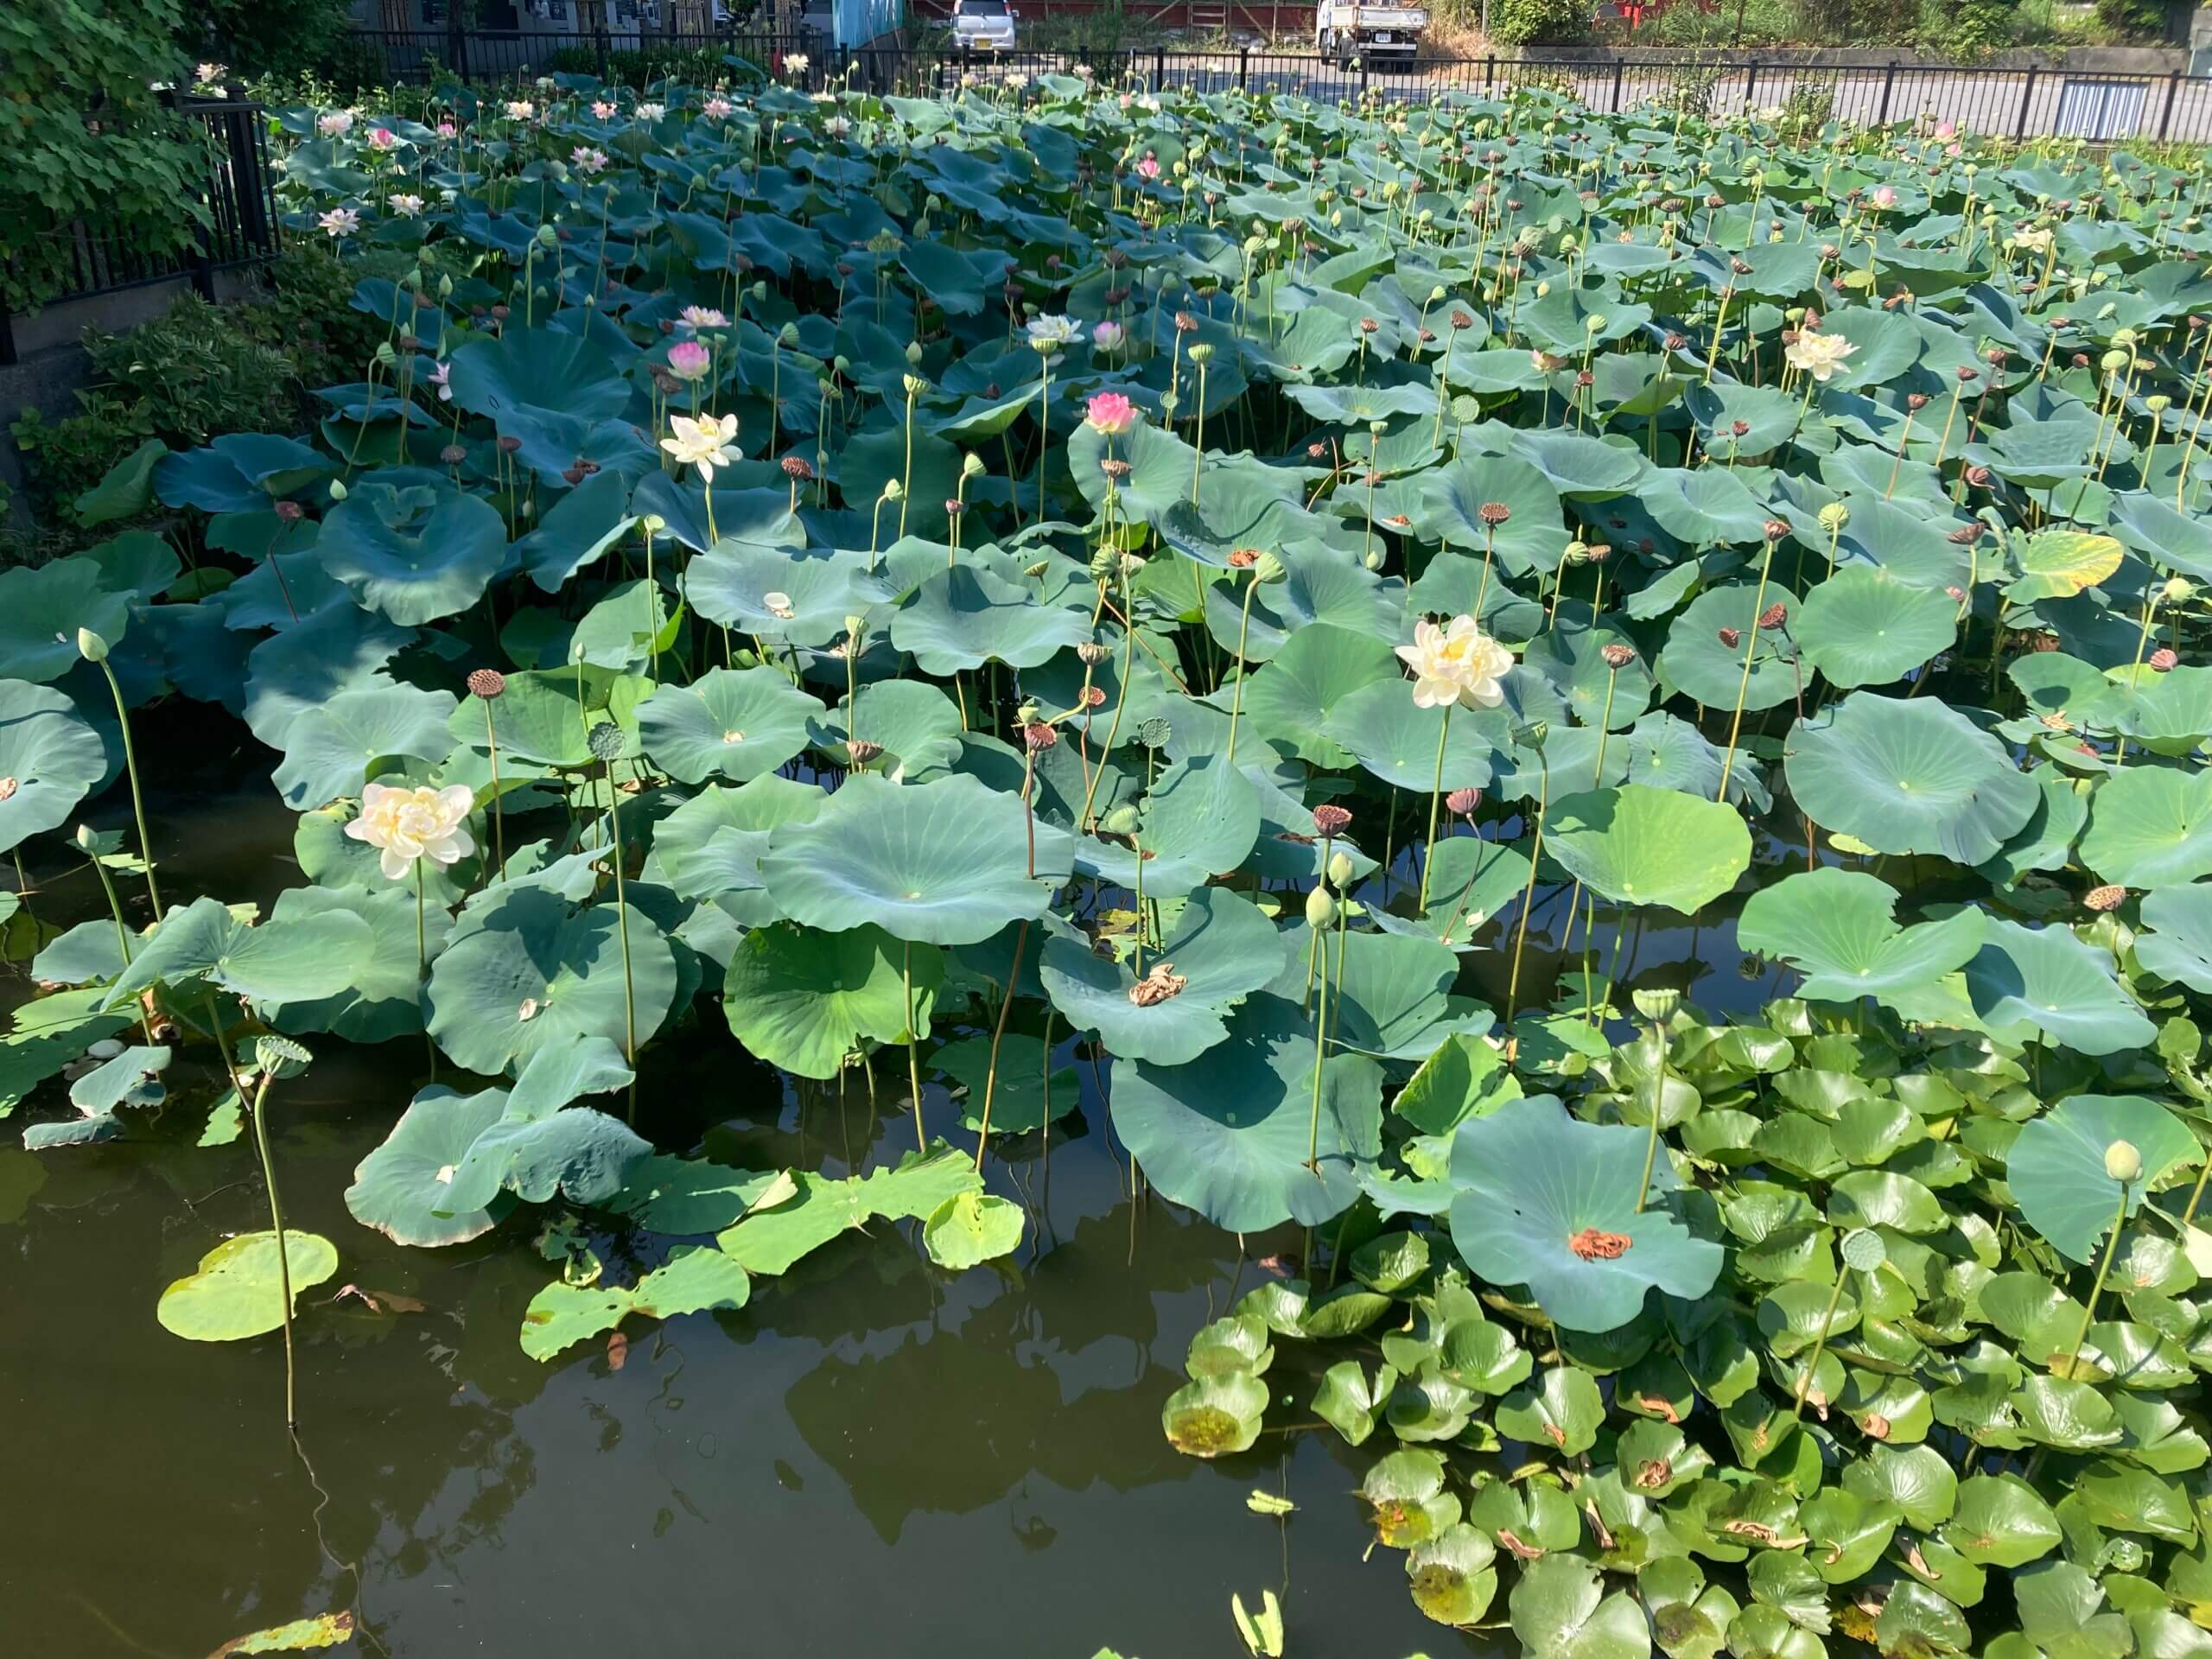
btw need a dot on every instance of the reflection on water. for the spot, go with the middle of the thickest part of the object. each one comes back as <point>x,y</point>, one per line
<point>873,1457</point>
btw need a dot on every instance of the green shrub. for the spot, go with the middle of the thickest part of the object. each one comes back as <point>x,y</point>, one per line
<point>2133,20</point>
<point>86,139</point>
<point>1538,22</point>
<point>1968,29</point>
<point>259,37</point>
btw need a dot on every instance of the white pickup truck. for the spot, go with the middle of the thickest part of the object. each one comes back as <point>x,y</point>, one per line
<point>1377,35</point>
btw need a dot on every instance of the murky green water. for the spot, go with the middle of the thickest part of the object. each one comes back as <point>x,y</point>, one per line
<point>873,1457</point>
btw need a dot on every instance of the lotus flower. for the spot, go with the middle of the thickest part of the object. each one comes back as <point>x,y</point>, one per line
<point>1147,169</point>
<point>208,73</point>
<point>795,62</point>
<point>407,207</point>
<point>339,222</point>
<point>334,124</point>
<point>447,129</point>
<point>1456,664</point>
<point>1817,354</point>
<point>438,378</point>
<point>716,108</point>
<point>704,443</point>
<point>689,361</point>
<point>652,111</point>
<point>695,317</point>
<point>836,126</point>
<point>520,109</point>
<point>407,824</point>
<point>585,159</point>
<point>602,110</point>
<point>1111,414</point>
<point>382,140</point>
<point>1883,197</point>
<point>1108,336</point>
<point>1050,333</point>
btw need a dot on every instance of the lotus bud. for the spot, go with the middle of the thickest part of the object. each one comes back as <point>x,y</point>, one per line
<point>1658,1006</point>
<point>1462,803</point>
<point>972,468</point>
<point>337,490</point>
<point>913,351</point>
<point>90,646</point>
<point>893,489</point>
<point>1372,558</point>
<point>841,364</point>
<point>2123,1163</point>
<point>1320,909</point>
<point>445,288</point>
<point>1339,870</point>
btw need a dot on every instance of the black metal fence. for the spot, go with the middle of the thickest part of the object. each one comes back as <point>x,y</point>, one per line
<point>237,226</point>
<point>487,56</point>
<point>2027,103</point>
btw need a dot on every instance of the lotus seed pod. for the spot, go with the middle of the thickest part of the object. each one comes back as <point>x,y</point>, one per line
<point>915,384</point>
<point>2178,590</point>
<point>1436,294</point>
<point>1658,1006</point>
<point>1201,353</point>
<point>2123,1163</point>
<point>654,524</point>
<point>972,467</point>
<point>1834,516</point>
<point>1339,870</point>
<point>2112,362</point>
<point>1123,820</point>
<point>1269,567</point>
<point>1863,1251</point>
<point>1320,909</point>
<point>788,334</point>
<point>90,646</point>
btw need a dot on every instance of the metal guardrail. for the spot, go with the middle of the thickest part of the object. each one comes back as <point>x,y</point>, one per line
<point>238,228</point>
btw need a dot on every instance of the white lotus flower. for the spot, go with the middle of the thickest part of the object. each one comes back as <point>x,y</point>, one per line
<point>334,124</point>
<point>1049,334</point>
<point>795,62</point>
<point>652,111</point>
<point>520,109</point>
<point>407,824</point>
<point>407,207</point>
<point>339,222</point>
<point>1817,354</point>
<point>705,443</point>
<point>1456,664</point>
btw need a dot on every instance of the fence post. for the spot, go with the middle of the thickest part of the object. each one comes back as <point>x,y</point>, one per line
<point>1159,68</point>
<point>1620,70</point>
<point>2173,92</point>
<point>2027,97</point>
<point>599,38</point>
<point>1489,73</point>
<point>1363,67</point>
<point>1888,86</point>
<point>1244,75</point>
<point>1751,82</point>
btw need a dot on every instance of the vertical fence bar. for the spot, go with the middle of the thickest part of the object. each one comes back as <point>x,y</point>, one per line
<point>2027,97</point>
<point>2166,119</point>
<point>1620,71</point>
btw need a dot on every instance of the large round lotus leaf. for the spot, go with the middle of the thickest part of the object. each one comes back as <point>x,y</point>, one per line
<point>1571,656</point>
<point>527,369</point>
<point>732,584</point>
<point>1704,668</point>
<point>1028,1089</point>
<point>412,555</point>
<point>1452,1579</point>
<point>1838,929</point>
<point>1908,777</point>
<point>2177,940</point>
<point>402,1189</point>
<point>41,609</point>
<point>537,1150</point>
<point>1220,949</point>
<point>2151,826</point>
<point>297,957</point>
<point>2028,980</point>
<point>1535,534</point>
<point>963,618</point>
<point>1636,845</point>
<point>1229,1133</point>
<point>237,472</point>
<point>342,648</point>
<point>1379,727</point>
<point>2059,563</point>
<point>733,723</point>
<point>1200,820</point>
<point>1161,468</point>
<point>1667,752</point>
<point>2168,714</point>
<point>1325,585</point>
<point>383,1000</point>
<point>49,759</point>
<point>237,1289</point>
<point>970,1228</point>
<point>542,716</point>
<point>1863,626</point>
<point>1548,1201</point>
<point>807,1001</point>
<point>2046,841</point>
<point>1289,702</point>
<point>916,724</point>
<point>1561,1610</point>
<point>330,751</point>
<point>1392,997</point>
<point>535,975</point>
<point>938,863</point>
<point>1470,881</point>
<point>2056,1167</point>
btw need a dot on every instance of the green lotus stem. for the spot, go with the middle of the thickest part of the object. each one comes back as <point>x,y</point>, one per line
<point>1320,1019</point>
<point>622,930</point>
<point>1243,632</point>
<point>137,799</point>
<point>707,490</point>
<point>1605,720</point>
<point>1720,326</point>
<point>907,478</point>
<point>1313,958</point>
<point>1819,1345</point>
<point>875,532</point>
<point>2196,1194</point>
<point>499,813</point>
<point>1045,444</point>
<point>776,396</point>
<point>1944,443</point>
<point>1743,685</point>
<point>1904,440</point>
<point>998,1035</point>
<point>1136,846</point>
<point>2135,668</point>
<point>1652,1141</point>
<point>1435,795</point>
<point>2104,1267</point>
<point>1113,729</point>
<point>283,1259</point>
<point>1490,551</point>
<point>913,1060</point>
<point>1199,448</point>
<point>1528,892</point>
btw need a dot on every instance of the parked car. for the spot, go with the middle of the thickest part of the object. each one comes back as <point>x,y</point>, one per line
<point>982,26</point>
<point>1383,35</point>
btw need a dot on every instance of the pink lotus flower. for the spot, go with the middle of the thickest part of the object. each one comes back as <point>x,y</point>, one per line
<point>438,378</point>
<point>602,110</point>
<point>1148,168</point>
<point>1883,197</point>
<point>447,129</point>
<point>585,159</point>
<point>1108,336</point>
<point>717,109</point>
<point>334,124</point>
<point>689,361</point>
<point>1946,129</point>
<point>382,140</point>
<point>1111,414</point>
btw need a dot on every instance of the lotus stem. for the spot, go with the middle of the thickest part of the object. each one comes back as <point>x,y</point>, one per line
<point>283,1258</point>
<point>1313,956</point>
<point>1605,720</point>
<point>1658,1097</point>
<point>907,478</point>
<point>2195,1195</point>
<point>1529,893</point>
<point>1819,1344</point>
<point>707,490</point>
<point>1320,1021</point>
<point>422,963</point>
<point>1435,795</point>
<point>998,1035</point>
<point>622,931</point>
<point>1489,552</point>
<point>499,813</point>
<point>2135,668</point>
<point>1120,702</point>
<point>2104,1267</point>
<point>1744,684</point>
<point>1243,632</point>
<point>913,1059</point>
<point>1136,847</point>
<point>137,799</point>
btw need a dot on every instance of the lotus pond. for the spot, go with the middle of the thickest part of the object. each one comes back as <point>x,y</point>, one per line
<point>1557,760</point>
